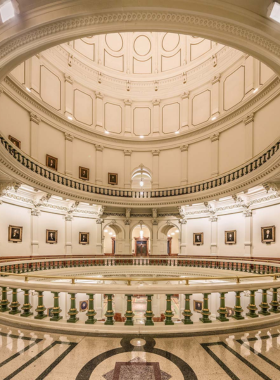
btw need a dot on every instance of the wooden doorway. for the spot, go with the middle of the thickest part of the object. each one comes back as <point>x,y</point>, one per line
<point>141,246</point>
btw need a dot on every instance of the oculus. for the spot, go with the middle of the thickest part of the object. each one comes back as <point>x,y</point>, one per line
<point>268,234</point>
<point>197,306</point>
<point>51,162</point>
<point>198,238</point>
<point>83,306</point>
<point>15,234</point>
<point>83,173</point>
<point>51,236</point>
<point>112,178</point>
<point>230,237</point>
<point>16,142</point>
<point>84,238</point>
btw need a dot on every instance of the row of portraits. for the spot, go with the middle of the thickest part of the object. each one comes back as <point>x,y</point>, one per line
<point>15,235</point>
<point>267,236</point>
<point>198,306</point>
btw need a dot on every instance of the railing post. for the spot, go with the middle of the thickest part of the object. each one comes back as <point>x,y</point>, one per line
<point>91,313</point>
<point>14,304</point>
<point>205,311</point>
<point>149,313</point>
<point>129,314</point>
<point>26,306</point>
<point>56,309</point>
<point>238,309</point>
<point>168,313</point>
<point>252,307</point>
<point>187,312</point>
<point>73,311</point>
<point>274,303</point>
<point>109,313</point>
<point>264,305</point>
<point>40,308</point>
<point>4,301</point>
<point>222,310</point>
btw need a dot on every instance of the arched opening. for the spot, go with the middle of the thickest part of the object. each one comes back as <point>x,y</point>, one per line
<point>109,241</point>
<point>141,178</point>
<point>141,243</point>
<point>171,233</point>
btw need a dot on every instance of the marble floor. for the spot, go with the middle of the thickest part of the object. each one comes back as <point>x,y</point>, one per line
<point>30,355</point>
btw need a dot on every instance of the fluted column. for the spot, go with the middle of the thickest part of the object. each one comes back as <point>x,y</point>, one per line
<point>68,234</point>
<point>127,168</point>
<point>98,245</point>
<point>99,112</point>
<point>248,233</point>
<point>214,234</point>
<point>184,164</point>
<point>69,154</point>
<point>215,155</point>
<point>156,112</point>
<point>215,97</point>
<point>127,117</point>
<point>99,164</point>
<point>155,169</point>
<point>249,136</point>
<point>185,111</point>
<point>35,213</point>
<point>68,96</point>
<point>34,135</point>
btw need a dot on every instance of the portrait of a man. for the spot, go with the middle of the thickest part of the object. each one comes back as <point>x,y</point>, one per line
<point>112,178</point>
<point>230,312</point>
<point>83,173</point>
<point>52,236</point>
<point>198,238</point>
<point>83,306</point>
<point>268,234</point>
<point>230,237</point>
<point>197,306</point>
<point>15,141</point>
<point>51,162</point>
<point>15,234</point>
<point>84,238</point>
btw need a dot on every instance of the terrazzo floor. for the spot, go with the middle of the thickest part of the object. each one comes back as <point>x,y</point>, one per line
<point>30,355</point>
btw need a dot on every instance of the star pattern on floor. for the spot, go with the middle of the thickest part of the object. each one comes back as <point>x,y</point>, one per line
<point>136,369</point>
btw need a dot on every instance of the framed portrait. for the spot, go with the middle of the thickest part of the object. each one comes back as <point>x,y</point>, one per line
<point>84,238</point>
<point>83,306</point>
<point>51,162</point>
<point>112,178</point>
<point>198,238</point>
<point>230,312</point>
<point>50,312</point>
<point>51,236</point>
<point>15,141</point>
<point>197,306</point>
<point>230,237</point>
<point>15,234</point>
<point>268,234</point>
<point>83,173</point>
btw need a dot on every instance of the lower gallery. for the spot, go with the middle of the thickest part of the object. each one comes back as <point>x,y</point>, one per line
<point>139,190</point>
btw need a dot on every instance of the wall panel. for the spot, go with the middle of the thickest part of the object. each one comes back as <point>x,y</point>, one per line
<point>199,161</point>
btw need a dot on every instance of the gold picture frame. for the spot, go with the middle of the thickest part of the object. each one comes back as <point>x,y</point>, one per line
<point>51,236</point>
<point>84,238</point>
<point>15,234</point>
<point>15,141</point>
<point>51,162</point>
<point>50,312</point>
<point>84,173</point>
<point>83,306</point>
<point>230,237</point>
<point>197,306</point>
<point>230,312</point>
<point>198,238</point>
<point>112,178</point>
<point>268,234</point>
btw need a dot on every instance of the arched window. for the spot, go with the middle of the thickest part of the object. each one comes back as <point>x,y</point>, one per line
<point>141,178</point>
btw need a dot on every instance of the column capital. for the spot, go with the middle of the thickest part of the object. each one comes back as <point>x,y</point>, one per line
<point>127,152</point>
<point>127,102</point>
<point>248,213</point>
<point>185,95</point>
<point>127,222</point>
<point>154,222</point>
<point>213,218</point>
<point>156,102</point>
<point>68,218</point>
<point>155,213</point>
<point>155,152</point>
<point>67,78</point>
<point>183,221</point>
<point>216,79</point>
<point>99,221</point>
<point>35,212</point>
<point>184,148</point>
<point>98,95</point>
<point>69,137</point>
<point>99,148</point>
<point>127,212</point>
<point>34,118</point>
<point>249,119</point>
<point>214,137</point>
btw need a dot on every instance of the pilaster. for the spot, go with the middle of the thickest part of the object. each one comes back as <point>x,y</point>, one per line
<point>184,164</point>
<point>154,245</point>
<point>155,154</point>
<point>69,154</point>
<point>215,97</point>
<point>35,213</point>
<point>127,117</point>
<point>185,111</point>
<point>68,234</point>
<point>68,96</point>
<point>99,164</point>
<point>34,135</point>
<point>248,233</point>
<point>127,168</point>
<point>249,136</point>
<point>99,112</point>
<point>183,245</point>
<point>214,154</point>
<point>98,245</point>
<point>214,234</point>
<point>250,75</point>
<point>156,113</point>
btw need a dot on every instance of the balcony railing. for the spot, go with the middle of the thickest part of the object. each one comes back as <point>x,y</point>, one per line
<point>69,182</point>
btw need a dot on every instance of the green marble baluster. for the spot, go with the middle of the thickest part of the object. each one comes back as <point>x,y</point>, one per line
<point>73,310</point>
<point>109,313</point>
<point>56,309</point>
<point>168,313</point>
<point>274,303</point>
<point>149,313</point>
<point>4,302</point>
<point>14,304</point>
<point>26,306</point>
<point>40,308</point>
<point>222,310</point>
<point>264,305</point>
<point>129,313</point>
<point>237,308</point>
<point>252,307</point>
<point>91,313</point>
<point>187,312</point>
<point>205,311</point>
